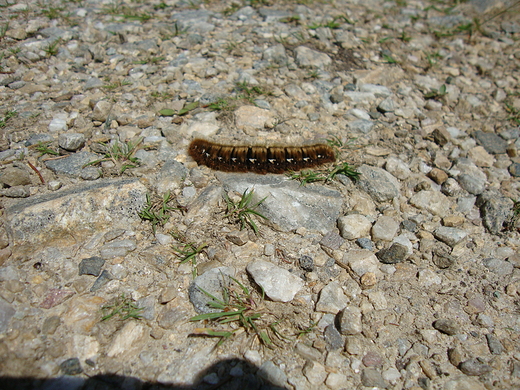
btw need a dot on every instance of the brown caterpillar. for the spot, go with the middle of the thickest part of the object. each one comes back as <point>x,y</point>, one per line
<point>259,159</point>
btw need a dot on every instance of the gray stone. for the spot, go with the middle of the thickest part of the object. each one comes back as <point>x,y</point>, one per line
<point>308,58</point>
<point>365,243</point>
<point>350,321</point>
<point>332,299</point>
<point>90,173</point>
<point>194,21</point>
<point>16,192</point>
<point>474,185</point>
<point>332,338</point>
<point>288,205</point>
<point>474,367</point>
<point>117,248</point>
<point>101,281</point>
<point>12,177</point>
<point>306,352</point>
<point>493,143</point>
<point>6,313</point>
<point>332,240</point>
<point>464,383</point>
<point>91,266</point>
<point>215,282</point>
<point>315,373</point>
<point>51,324</point>
<point>58,124</point>
<point>446,326</point>
<point>71,141</point>
<point>378,183</point>
<point>494,344</point>
<point>170,317</point>
<point>450,235</point>
<point>397,253</point>
<point>361,261</point>
<point>397,168</point>
<point>373,378</point>
<point>379,91</point>
<point>306,263</point>
<point>361,126</point>
<point>514,169</point>
<point>71,366</point>
<point>495,210</point>
<point>71,165</point>
<point>279,284</point>
<point>275,54</point>
<point>93,82</point>
<point>387,105</point>
<point>499,266</point>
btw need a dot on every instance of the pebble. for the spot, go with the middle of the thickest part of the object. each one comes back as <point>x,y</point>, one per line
<point>314,372</point>
<point>474,367</point>
<point>71,366</point>
<point>446,326</point>
<point>396,253</point>
<point>350,321</point>
<point>71,141</point>
<point>493,143</point>
<point>354,226</point>
<point>279,284</point>
<point>385,229</point>
<point>91,266</point>
<point>494,344</point>
<point>12,177</point>
<point>6,313</point>
<point>378,183</point>
<point>101,281</point>
<point>272,373</point>
<point>372,378</point>
<point>450,235</point>
<point>332,338</point>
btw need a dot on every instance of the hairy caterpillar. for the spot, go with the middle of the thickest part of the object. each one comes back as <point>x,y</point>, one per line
<point>259,159</point>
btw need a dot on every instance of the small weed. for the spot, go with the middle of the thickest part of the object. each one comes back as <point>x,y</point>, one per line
<point>52,48</point>
<point>234,7</point>
<point>116,85</point>
<point>123,307</point>
<point>151,60</point>
<point>162,95</point>
<point>187,108</point>
<point>15,50</point>
<point>189,252</point>
<point>243,210</point>
<point>405,37</point>
<point>436,93</point>
<point>222,104</point>
<point>161,5</point>
<point>512,222</point>
<point>3,30</point>
<point>307,330</point>
<point>389,59</point>
<point>8,115</point>
<point>43,149</point>
<point>291,19</point>
<point>514,113</point>
<point>432,59</point>
<point>53,12</point>
<point>121,154</point>
<point>157,212</point>
<point>236,306</point>
<point>307,176</point>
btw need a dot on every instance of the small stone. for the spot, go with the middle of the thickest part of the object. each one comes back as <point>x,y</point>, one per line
<point>385,229</point>
<point>332,240</point>
<point>238,237</point>
<point>127,340</point>
<point>514,169</point>
<point>332,338</point>
<point>387,105</point>
<point>493,143</point>
<point>71,367</point>
<point>372,359</point>
<point>247,117</point>
<point>354,226</point>
<point>432,201</point>
<point>167,294</point>
<point>450,235</point>
<point>214,282</point>
<point>315,373</point>
<point>12,177</point>
<point>306,263</point>
<point>360,261</point>
<point>170,317</point>
<point>308,353</point>
<point>91,266</point>
<point>397,253</point>
<point>441,136</point>
<point>480,157</point>
<point>446,326</point>
<point>332,299</point>
<point>495,209</point>
<point>464,382</point>
<point>438,175</point>
<point>368,280</point>
<point>498,266</point>
<point>71,141</point>
<point>16,192</point>
<point>336,381</point>
<point>350,321</point>
<point>273,374</point>
<point>453,221</point>
<point>474,367</point>
<point>378,183</point>
<point>365,243</point>
<point>473,184</point>
<point>372,378</point>
<point>455,356</point>
<point>6,313</point>
<point>117,249</point>
<point>55,296</point>
<point>58,124</point>
<point>51,324</point>
<point>308,58</point>
<point>279,284</point>
<point>103,279</point>
<point>494,344</point>
<point>101,111</point>
<point>397,168</point>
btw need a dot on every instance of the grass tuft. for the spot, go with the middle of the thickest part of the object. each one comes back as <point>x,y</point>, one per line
<point>243,210</point>
<point>123,307</point>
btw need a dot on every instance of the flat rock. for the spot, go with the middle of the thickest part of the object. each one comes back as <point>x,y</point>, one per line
<point>82,210</point>
<point>288,205</point>
<point>332,299</point>
<point>434,202</point>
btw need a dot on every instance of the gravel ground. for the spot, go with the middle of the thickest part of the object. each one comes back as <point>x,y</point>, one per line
<point>406,276</point>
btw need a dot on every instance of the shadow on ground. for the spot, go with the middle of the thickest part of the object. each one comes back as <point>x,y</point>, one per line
<point>231,374</point>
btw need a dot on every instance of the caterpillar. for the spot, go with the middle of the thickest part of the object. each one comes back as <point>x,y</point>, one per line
<point>259,159</point>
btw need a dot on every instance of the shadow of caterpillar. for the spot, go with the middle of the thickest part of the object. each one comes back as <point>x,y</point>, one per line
<point>259,159</point>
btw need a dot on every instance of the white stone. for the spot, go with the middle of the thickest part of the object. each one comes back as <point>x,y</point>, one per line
<point>397,167</point>
<point>361,261</point>
<point>332,299</point>
<point>427,278</point>
<point>127,339</point>
<point>315,373</point>
<point>336,380</point>
<point>432,201</point>
<point>354,226</point>
<point>279,284</point>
